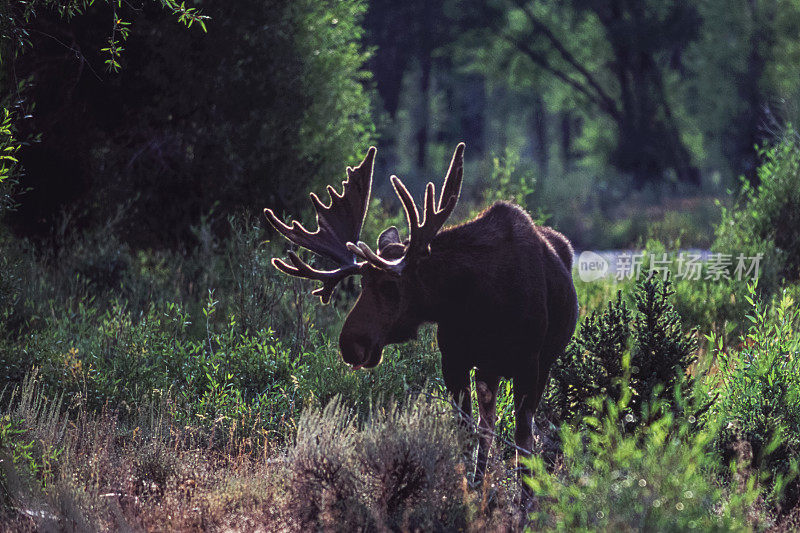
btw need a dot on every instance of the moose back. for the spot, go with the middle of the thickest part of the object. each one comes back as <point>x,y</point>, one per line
<point>499,287</point>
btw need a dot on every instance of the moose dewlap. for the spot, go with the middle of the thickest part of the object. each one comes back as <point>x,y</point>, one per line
<point>499,288</point>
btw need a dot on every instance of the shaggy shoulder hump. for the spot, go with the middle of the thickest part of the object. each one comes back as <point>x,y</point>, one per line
<point>507,216</point>
<point>560,244</point>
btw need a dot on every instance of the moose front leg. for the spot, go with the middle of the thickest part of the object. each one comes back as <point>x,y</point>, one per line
<point>456,380</point>
<point>455,371</point>
<point>486,390</point>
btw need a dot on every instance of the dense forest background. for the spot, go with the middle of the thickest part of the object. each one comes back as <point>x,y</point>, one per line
<point>596,110</point>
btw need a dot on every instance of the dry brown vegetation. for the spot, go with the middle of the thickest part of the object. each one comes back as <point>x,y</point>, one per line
<point>400,469</point>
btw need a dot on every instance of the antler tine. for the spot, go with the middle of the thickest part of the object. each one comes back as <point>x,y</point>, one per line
<point>447,201</point>
<point>363,251</point>
<point>430,199</point>
<point>412,215</point>
<point>455,175</point>
<point>329,278</point>
<point>294,232</point>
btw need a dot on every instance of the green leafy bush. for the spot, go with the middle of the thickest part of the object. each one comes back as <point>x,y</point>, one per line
<point>127,358</point>
<point>660,477</point>
<point>8,161</point>
<point>105,325</point>
<point>662,352</point>
<point>759,388</point>
<point>767,216</point>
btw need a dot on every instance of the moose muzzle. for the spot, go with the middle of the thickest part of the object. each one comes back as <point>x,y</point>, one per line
<point>360,351</point>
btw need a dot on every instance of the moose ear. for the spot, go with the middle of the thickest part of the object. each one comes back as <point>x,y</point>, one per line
<point>394,250</point>
<point>389,236</point>
<point>389,245</point>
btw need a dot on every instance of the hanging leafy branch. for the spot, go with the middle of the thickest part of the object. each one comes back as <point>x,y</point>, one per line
<point>16,16</point>
<point>8,161</point>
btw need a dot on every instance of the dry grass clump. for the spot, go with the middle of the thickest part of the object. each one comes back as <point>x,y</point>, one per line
<point>400,469</point>
<point>91,472</point>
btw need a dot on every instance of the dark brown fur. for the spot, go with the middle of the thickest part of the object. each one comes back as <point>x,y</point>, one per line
<point>500,289</point>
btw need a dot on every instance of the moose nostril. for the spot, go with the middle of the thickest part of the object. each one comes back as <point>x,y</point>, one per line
<point>353,349</point>
<point>358,354</point>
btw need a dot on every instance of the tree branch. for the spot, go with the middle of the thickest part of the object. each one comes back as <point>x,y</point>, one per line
<point>608,103</point>
<point>542,61</point>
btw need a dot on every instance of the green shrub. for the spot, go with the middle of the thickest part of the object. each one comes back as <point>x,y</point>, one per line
<point>706,304</point>
<point>105,350</point>
<point>662,352</point>
<point>9,145</point>
<point>405,368</point>
<point>717,307</point>
<point>647,349</point>
<point>127,359</point>
<point>759,389</point>
<point>659,477</point>
<point>767,216</point>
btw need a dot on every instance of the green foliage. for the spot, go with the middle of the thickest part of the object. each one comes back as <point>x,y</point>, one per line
<point>662,352</point>
<point>659,477</point>
<point>759,388</point>
<point>16,16</point>
<point>761,43</point>
<point>767,215</point>
<point>508,184</point>
<point>9,283</point>
<point>594,71</point>
<point>336,126</point>
<point>278,105</point>
<point>605,336</point>
<point>404,369</point>
<point>712,306</point>
<point>163,387</point>
<point>512,182</point>
<point>16,454</point>
<point>8,161</point>
<point>646,350</point>
<point>245,355</point>
<point>143,333</point>
<point>32,427</point>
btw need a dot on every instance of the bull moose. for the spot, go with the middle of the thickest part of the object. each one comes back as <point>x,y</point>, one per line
<point>499,287</point>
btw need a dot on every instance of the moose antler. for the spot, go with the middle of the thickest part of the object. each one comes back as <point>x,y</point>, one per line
<point>434,216</point>
<point>337,225</point>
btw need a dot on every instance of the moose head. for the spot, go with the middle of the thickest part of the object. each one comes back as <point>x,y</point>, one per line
<point>391,304</point>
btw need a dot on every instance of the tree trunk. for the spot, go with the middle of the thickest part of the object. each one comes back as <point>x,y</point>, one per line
<point>566,138</point>
<point>424,110</point>
<point>539,138</point>
<point>648,138</point>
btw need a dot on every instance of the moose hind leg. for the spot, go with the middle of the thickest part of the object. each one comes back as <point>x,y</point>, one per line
<point>527,393</point>
<point>486,390</point>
